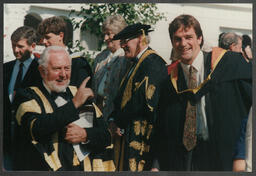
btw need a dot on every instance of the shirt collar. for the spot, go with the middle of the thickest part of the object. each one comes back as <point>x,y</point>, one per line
<point>197,63</point>
<point>140,54</point>
<point>26,63</point>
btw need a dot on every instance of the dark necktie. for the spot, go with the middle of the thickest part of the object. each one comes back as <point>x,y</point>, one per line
<point>19,77</point>
<point>189,134</point>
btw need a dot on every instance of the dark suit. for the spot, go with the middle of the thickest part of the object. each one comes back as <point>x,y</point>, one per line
<point>80,70</point>
<point>31,77</point>
<point>228,97</point>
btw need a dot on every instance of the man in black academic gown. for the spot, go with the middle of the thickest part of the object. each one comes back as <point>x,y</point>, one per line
<point>19,73</point>
<point>53,31</point>
<point>200,114</point>
<point>47,117</point>
<point>137,99</point>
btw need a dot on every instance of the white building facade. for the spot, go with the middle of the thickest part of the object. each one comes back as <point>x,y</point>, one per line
<point>214,19</point>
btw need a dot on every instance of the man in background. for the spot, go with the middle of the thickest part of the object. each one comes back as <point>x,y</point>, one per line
<point>54,32</point>
<point>19,73</point>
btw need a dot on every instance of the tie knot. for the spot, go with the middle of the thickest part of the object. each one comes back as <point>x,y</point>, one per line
<point>56,94</point>
<point>192,70</point>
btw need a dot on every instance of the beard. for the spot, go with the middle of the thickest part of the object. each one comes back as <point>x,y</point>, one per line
<point>56,88</point>
<point>26,55</point>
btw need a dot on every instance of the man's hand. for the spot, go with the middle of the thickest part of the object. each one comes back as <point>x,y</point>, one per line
<point>82,94</point>
<point>75,134</point>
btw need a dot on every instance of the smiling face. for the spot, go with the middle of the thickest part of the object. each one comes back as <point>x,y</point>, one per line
<point>186,44</point>
<point>52,39</point>
<point>57,74</point>
<point>22,50</point>
<point>112,45</point>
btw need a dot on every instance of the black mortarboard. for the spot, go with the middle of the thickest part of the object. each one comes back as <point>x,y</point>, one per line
<point>133,30</point>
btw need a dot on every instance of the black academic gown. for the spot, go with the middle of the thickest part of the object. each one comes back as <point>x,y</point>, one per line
<point>41,125</point>
<point>31,78</point>
<point>80,70</point>
<point>138,114</point>
<point>228,97</point>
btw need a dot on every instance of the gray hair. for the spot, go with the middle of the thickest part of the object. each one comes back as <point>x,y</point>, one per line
<point>44,59</point>
<point>114,23</point>
<point>228,39</point>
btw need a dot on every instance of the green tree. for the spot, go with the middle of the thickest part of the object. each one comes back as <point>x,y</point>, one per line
<point>93,16</point>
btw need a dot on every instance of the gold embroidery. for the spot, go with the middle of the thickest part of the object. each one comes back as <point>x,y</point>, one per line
<point>47,105</point>
<point>138,84</point>
<point>141,165</point>
<point>75,160</point>
<point>97,110</point>
<point>150,91</point>
<point>150,127</point>
<point>52,159</point>
<point>109,166</point>
<point>110,146</point>
<point>28,106</point>
<point>151,109</point>
<point>143,127</point>
<point>97,165</point>
<point>128,89</point>
<point>87,164</point>
<point>132,164</point>
<point>142,147</point>
<point>31,132</point>
<point>73,90</point>
<point>137,127</point>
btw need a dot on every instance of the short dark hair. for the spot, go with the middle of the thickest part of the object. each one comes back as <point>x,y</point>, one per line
<point>187,21</point>
<point>228,39</point>
<point>25,32</point>
<point>52,25</point>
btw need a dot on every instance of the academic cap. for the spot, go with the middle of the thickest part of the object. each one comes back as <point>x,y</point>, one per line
<point>133,30</point>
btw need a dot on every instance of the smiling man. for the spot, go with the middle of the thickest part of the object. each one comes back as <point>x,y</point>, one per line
<point>137,99</point>
<point>45,114</point>
<point>204,100</point>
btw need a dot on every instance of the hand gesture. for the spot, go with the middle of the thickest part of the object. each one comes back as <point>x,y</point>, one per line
<point>82,94</point>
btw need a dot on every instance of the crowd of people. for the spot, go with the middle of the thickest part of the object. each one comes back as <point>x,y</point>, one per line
<point>129,111</point>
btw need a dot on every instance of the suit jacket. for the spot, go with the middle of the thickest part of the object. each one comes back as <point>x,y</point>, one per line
<point>228,97</point>
<point>80,70</point>
<point>31,78</point>
<point>41,125</point>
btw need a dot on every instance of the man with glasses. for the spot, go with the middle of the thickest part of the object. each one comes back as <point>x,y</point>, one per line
<point>137,99</point>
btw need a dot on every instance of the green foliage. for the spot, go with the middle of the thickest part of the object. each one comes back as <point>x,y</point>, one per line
<point>93,16</point>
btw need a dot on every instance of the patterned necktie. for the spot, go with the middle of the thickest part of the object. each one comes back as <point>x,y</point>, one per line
<point>189,134</point>
<point>19,77</point>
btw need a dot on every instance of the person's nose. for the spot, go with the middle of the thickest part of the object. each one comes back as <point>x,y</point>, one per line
<point>16,49</point>
<point>106,37</point>
<point>62,73</point>
<point>183,42</point>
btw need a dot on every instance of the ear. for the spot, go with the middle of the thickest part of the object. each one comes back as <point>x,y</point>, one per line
<point>61,35</point>
<point>232,46</point>
<point>33,46</point>
<point>199,39</point>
